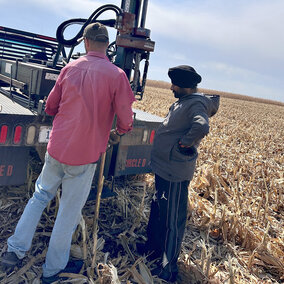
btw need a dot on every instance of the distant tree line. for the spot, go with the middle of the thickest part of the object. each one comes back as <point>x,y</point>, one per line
<point>166,85</point>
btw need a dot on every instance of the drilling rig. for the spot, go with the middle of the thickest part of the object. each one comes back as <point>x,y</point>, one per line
<point>29,66</point>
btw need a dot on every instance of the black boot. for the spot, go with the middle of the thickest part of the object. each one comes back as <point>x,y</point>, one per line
<point>73,266</point>
<point>9,261</point>
<point>165,273</point>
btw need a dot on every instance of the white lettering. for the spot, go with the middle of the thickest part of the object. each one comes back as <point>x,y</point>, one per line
<point>51,76</point>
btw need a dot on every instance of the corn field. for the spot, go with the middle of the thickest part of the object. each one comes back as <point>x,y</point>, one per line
<point>235,222</point>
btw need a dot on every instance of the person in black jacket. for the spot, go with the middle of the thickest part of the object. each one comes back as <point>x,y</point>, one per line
<point>173,160</point>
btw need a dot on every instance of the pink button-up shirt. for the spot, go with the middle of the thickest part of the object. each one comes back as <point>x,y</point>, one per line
<point>87,94</point>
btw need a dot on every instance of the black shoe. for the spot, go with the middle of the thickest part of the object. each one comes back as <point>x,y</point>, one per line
<point>9,261</point>
<point>163,273</point>
<point>73,266</point>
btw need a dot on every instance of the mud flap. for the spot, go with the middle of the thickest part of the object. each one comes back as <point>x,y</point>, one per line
<point>13,165</point>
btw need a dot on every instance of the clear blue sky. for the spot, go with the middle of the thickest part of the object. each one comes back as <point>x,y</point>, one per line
<point>235,45</point>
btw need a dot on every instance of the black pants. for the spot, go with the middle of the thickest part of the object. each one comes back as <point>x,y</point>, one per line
<point>167,221</point>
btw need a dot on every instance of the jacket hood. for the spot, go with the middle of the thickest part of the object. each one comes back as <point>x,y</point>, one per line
<point>213,105</point>
<point>211,102</point>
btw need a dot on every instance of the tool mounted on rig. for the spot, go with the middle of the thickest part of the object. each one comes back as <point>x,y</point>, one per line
<point>30,63</point>
<point>132,44</point>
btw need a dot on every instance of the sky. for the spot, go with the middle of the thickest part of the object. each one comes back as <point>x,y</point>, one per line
<point>236,46</point>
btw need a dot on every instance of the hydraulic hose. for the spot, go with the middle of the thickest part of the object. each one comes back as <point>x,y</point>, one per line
<point>84,22</point>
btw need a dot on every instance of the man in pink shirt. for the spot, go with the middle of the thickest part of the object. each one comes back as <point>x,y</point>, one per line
<point>87,94</point>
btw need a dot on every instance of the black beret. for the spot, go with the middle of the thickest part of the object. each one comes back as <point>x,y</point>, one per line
<point>184,76</point>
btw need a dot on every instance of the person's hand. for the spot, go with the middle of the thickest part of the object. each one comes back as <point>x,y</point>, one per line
<point>186,150</point>
<point>114,137</point>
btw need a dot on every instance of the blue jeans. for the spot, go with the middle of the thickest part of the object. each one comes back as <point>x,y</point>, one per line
<point>76,184</point>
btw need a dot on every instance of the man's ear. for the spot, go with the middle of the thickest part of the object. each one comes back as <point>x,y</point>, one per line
<point>87,44</point>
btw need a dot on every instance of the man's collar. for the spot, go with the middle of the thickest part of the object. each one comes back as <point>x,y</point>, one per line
<point>97,54</point>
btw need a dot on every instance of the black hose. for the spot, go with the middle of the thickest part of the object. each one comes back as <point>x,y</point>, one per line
<point>84,22</point>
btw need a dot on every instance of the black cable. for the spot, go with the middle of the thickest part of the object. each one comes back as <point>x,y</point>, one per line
<point>93,18</point>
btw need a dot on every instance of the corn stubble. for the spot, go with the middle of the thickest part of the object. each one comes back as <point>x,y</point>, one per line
<point>234,232</point>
